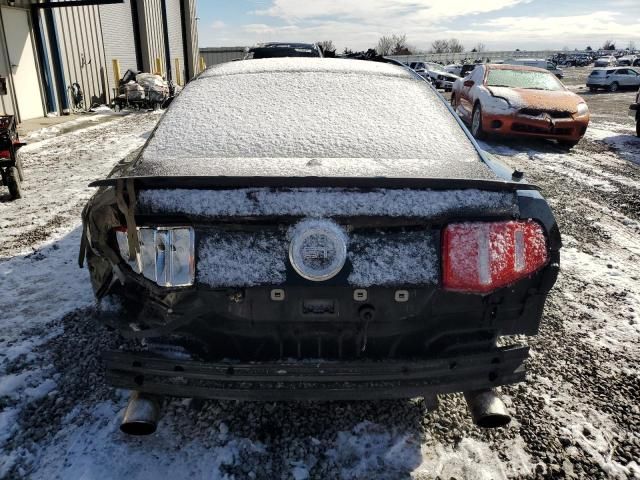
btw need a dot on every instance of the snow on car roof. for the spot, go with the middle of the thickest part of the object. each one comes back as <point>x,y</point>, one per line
<point>508,66</point>
<point>310,117</point>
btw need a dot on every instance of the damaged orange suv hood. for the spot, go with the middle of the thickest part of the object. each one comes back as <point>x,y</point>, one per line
<point>562,100</point>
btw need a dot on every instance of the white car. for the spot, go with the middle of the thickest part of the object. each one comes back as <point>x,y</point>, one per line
<point>627,60</point>
<point>609,61</point>
<point>435,69</point>
<point>445,81</point>
<point>456,69</point>
<point>613,79</point>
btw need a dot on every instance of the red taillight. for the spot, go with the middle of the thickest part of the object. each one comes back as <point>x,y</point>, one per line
<point>5,154</point>
<point>481,257</point>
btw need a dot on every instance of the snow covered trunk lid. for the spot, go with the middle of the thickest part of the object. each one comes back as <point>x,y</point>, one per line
<point>325,202</point>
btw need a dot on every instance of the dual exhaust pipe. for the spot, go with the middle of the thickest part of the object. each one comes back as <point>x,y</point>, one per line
<point>142,414</point>
<point>487,409</point>
<point>143,411</point>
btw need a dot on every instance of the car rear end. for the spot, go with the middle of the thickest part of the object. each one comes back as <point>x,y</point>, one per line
<point>348,269</point>
<point>599,78</point>
<point>446,81</point>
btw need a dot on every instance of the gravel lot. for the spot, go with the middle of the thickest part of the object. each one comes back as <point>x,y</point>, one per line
<point>578,415</point>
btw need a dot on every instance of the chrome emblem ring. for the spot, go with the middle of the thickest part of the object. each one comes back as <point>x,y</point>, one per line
<point>318,249</point>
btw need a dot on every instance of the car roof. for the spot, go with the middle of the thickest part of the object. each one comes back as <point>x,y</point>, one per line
<point>319,117</point>
<point>527,60</point>
<point>285,44</point>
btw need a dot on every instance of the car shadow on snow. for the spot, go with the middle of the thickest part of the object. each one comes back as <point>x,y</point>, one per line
<point>223,439</point>
<point>514,146</point>
<point>81,413</point>
<point>71,428</point>
<point>627,146</point>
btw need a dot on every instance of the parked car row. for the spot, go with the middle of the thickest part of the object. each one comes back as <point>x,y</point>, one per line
<point>435,73</point>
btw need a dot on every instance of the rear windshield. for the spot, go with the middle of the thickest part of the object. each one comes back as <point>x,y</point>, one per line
<point>288,116</point>
<point>523,79</point>
<point>276,52</point>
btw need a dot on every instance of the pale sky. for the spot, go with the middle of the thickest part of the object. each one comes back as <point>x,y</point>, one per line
<point>499,24</point>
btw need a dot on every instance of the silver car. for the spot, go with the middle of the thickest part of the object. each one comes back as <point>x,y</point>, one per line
<point>613,79</point>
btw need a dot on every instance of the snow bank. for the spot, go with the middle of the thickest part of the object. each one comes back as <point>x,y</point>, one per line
<point>315,202</point>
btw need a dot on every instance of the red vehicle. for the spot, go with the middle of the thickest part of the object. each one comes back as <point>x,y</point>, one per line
<point>519,101</point>
<point>10,164</point>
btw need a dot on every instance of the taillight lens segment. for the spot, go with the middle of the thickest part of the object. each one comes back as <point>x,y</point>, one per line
<point>166,254</point>
<point>482,257</point>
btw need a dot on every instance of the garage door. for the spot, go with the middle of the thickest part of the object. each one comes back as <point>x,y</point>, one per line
<point>22,62</point>
<point>117,34</point>
<point>176,48</point>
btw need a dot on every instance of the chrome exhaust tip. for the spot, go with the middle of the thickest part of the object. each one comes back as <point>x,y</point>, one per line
<point>487,409</point>
<point>141,415</point>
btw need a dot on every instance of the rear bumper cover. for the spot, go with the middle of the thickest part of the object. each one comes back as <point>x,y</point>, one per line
<point>320,381</point>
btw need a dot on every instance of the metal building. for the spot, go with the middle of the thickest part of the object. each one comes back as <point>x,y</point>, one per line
<point>50,49</point>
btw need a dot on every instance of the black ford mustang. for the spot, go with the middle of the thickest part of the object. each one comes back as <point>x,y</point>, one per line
<point>317,229</point>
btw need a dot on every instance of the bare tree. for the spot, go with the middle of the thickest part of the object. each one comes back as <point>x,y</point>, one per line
<point>479,48</point>
<point>447,46</point>
<point>393,45</point>
<point>385,45</point>
<point>400,46</point>
<point>455,46</point>
<point>439,46</point>
<point>327,46</point>
<point>609,45</point>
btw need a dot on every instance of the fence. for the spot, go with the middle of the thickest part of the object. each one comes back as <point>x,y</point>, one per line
<point>216,55</point>
<point>470,57</point>
<point>213,56</point>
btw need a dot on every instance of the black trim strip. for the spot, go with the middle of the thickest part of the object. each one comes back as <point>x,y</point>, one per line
<point>203,182</point>
<point>135,20</point>
<point>185,47</point>
<point>74,3</point>
<point>167,44</point>
<point>344,380</point>
<point>56,60</point>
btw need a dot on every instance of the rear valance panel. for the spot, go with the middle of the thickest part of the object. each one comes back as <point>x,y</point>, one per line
<point>376,258</point>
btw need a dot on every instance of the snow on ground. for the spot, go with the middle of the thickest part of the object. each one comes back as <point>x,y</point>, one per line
<point>98,115</point>
<point>584,374</point>
<point>57,173</point>
<point>576,417</point>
